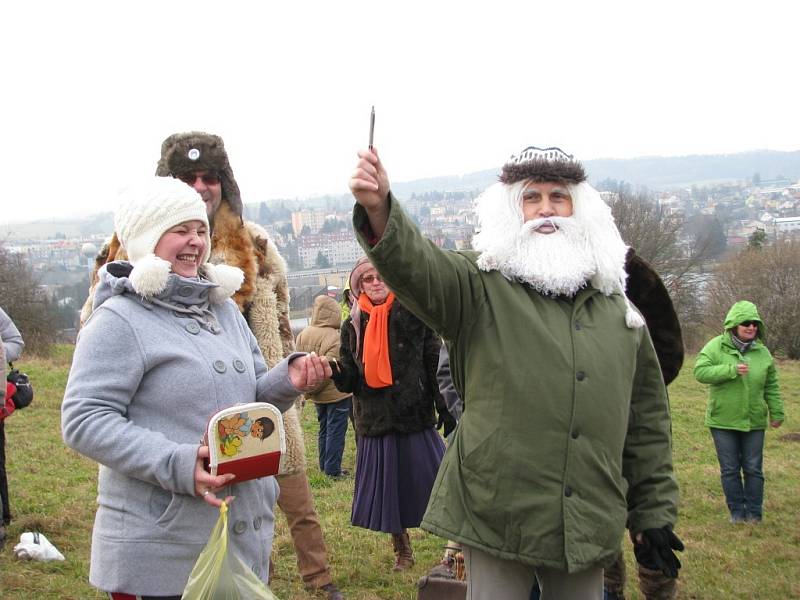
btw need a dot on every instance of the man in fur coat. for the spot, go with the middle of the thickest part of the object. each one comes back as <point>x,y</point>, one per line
<point>201,161</point>
<point>565,435</point>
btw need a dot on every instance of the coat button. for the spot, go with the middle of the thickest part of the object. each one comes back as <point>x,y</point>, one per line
<point>239,527</point>
<point>580,375</point>
<point>575,435</point>
<point>185,291</point>
<point>238,365</point>
<point>577,325</point>
<point>257,523</point>
<point>568,491</point>
<point>193,327</point>
<point>219,366</point>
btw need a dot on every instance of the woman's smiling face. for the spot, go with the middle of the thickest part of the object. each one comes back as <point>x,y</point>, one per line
<point>184,247</point>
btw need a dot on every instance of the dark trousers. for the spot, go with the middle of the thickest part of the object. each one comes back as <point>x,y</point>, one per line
<point>332,420</point>
<point>3,478</point>
<point>740,453</point>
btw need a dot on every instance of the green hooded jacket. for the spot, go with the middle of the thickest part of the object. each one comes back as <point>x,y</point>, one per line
<point>740,402</point>
<point>566,429</point>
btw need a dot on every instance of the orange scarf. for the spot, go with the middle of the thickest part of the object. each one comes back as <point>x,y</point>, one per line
<point>377,368</point>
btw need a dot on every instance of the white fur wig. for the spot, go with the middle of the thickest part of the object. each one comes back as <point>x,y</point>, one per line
<point>500,218</point>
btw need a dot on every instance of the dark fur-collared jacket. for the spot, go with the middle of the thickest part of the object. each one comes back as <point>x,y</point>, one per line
<point>263,299</point>
<point>410,404</point>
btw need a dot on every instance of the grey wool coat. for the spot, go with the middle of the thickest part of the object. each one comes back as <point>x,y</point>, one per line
<point>143,383</point>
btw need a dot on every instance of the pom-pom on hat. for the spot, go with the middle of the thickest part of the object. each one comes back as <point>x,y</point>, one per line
<point>192,151</point>
<point>542,165</point>
<point>148,209</point>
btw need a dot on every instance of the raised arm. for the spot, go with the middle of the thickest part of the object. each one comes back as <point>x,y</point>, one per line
<point>370,187</point>
<point>442,288</point>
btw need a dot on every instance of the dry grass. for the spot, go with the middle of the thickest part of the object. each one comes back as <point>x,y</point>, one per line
<point>53,490</point>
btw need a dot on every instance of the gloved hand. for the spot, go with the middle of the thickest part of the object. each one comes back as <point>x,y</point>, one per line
<point>338,375</point>
<point>447,422</point>
<point>655,551</point>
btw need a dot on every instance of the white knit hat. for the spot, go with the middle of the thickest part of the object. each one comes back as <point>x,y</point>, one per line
<point>147,210</point>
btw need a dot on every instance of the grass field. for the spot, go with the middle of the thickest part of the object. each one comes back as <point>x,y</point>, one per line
<point>53,491</point>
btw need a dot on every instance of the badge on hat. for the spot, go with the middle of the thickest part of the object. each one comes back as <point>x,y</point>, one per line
<point>193,154</point>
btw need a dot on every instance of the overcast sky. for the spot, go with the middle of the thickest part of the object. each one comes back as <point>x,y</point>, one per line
<point>90,89</point>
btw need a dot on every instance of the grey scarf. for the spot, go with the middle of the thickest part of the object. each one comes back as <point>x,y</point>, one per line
<point>188,297</point>
<point>741,345</point>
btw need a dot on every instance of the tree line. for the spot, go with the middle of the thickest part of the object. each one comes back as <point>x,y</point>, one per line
<point>703,278</point>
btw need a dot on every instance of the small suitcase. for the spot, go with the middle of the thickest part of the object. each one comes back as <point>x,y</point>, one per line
<point>437,588</point>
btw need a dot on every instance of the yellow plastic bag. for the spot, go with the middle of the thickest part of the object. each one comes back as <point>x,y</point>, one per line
<point>221,575</point>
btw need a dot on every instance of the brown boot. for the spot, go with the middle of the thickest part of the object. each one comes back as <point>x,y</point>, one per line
<point>404,557</point>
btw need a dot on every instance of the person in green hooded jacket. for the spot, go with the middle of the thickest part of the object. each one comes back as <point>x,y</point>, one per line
<point>744,397</point>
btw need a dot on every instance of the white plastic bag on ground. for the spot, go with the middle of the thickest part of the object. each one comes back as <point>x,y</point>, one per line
<point>35,546</point>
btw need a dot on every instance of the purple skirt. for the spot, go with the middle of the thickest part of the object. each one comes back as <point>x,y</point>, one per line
<point>394,477</point>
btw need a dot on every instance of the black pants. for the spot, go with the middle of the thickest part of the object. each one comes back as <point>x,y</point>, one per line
<point>3,478</point>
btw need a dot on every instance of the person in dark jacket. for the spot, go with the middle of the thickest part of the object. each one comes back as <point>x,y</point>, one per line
<point>388,362</point>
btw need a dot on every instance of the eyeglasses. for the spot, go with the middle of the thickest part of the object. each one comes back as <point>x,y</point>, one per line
<point>371,278</point>
<point>749,323</point>
<point>190,178</point>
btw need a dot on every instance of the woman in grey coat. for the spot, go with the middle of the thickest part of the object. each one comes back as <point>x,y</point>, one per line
<point>164,349</point>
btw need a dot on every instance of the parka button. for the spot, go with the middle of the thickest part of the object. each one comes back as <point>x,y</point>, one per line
<point>239,527</point>
<point>257,523</point>
<point>185,291</point>
<point>193,327</point>
<point>580,375</point>
<point>568,491</point>
<point>238,365</point>
<point>575,435</point>
<point>577,325</point>
<point>219,366</point>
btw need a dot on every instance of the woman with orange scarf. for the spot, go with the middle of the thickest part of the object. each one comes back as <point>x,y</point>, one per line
<point>388,362</point>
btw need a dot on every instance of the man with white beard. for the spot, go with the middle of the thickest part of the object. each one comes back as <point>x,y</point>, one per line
<point>565,434</point>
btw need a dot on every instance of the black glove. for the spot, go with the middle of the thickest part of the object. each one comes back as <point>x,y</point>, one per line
<point>655,552</point>
<point>447,422</point>
<point>338,375</point>
<point>24,394</point>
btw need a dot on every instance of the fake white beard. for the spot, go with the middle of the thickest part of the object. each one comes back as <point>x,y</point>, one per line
<point>587,247</point>
<point>554,263</point>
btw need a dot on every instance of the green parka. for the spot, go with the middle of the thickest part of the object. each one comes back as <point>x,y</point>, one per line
<point>566,428</point>
<point>735,401</point>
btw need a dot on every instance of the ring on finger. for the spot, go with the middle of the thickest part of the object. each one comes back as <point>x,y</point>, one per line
<point>206,493</point>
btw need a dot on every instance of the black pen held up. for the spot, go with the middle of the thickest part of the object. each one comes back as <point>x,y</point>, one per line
<point>371,126</point>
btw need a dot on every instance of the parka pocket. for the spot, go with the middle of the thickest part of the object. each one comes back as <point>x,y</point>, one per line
<point>482,470</point>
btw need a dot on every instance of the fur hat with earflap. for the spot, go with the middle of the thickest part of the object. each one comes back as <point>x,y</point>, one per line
<point>147,211</point>
<point>192,151</point>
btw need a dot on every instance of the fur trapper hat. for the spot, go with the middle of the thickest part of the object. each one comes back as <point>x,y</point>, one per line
<point>542,165</point>
<point>147,210</point>
<point>183,153</point>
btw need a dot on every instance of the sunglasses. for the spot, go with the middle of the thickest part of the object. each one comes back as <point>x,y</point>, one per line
<point>749,323</point>
<point>207,178</point>
<point>371,278</point>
